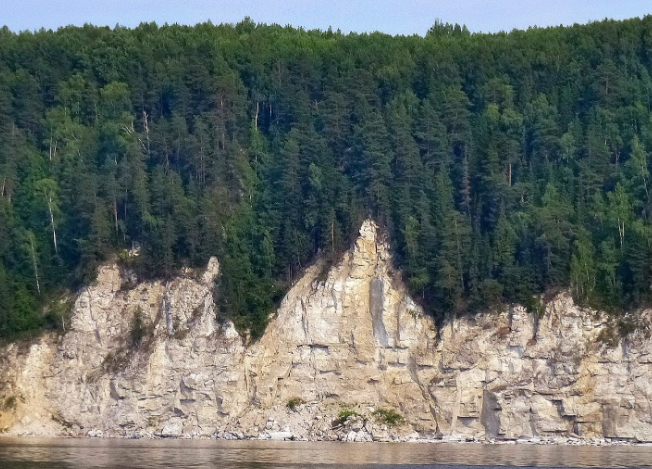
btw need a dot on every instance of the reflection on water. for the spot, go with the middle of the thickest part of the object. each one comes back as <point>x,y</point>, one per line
<point>23,453</point>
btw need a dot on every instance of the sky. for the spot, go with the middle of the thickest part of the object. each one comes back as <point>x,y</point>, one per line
<point>392,17</point>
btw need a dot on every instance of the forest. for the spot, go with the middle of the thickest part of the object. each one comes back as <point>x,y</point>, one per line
<point>500,166</point>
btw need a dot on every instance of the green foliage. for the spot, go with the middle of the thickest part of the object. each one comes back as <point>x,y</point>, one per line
<point>138,329</point>
<point>534,306</point>
<point>57,314</point>
<point>388,416</point>
<point>9,403</point>
<point>617,329</point>
<point>500,166</point>
<point>343,416</point>
<point>294,402</point>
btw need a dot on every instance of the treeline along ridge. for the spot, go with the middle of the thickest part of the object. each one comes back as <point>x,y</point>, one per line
<point>501,166</point>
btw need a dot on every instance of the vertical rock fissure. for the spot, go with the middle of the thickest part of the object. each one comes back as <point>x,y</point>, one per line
<point>376,300</point>
<point>168,315</point>
<point>456,407</point>
<point>414,373</point>
<point>490,417</point>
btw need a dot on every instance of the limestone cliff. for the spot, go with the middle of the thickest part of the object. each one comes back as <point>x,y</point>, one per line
<point>344,351</point>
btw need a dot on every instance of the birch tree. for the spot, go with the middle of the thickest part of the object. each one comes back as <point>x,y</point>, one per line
<point>47,190</point>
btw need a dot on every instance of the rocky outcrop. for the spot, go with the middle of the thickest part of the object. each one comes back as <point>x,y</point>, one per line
<point>139,358</point>
<point>348,356</point>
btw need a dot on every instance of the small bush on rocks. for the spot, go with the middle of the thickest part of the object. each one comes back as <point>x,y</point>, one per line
<point>138,329</point>
<point>295,402</point>
<point>343,416</point>
<point>9,403</point>
<point>388,416</point>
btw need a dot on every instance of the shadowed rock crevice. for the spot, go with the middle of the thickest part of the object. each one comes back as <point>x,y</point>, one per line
<point>376,300</point>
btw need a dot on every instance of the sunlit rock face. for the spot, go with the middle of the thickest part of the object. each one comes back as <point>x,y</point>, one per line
<point>182,374</point>
<point>153,358</point>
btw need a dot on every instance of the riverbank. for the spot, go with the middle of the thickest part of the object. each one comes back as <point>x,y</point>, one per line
<point>286,437</point>
<point>312,422</point>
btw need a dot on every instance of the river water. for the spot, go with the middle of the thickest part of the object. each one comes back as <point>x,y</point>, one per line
<point>24,453</point>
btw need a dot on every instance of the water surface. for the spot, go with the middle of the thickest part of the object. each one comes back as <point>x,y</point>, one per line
<point>23,453</point>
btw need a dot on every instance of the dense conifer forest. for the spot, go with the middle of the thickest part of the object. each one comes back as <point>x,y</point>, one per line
<point>501,166</point>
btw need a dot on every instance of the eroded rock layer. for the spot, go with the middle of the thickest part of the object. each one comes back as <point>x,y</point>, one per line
<point>349,355</point>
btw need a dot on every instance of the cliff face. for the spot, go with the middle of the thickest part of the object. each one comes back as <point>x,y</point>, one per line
<point>181,367</point>
<point>150,358</point>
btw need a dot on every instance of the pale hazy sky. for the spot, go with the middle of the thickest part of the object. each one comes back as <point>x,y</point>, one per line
<point>393,17</point>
